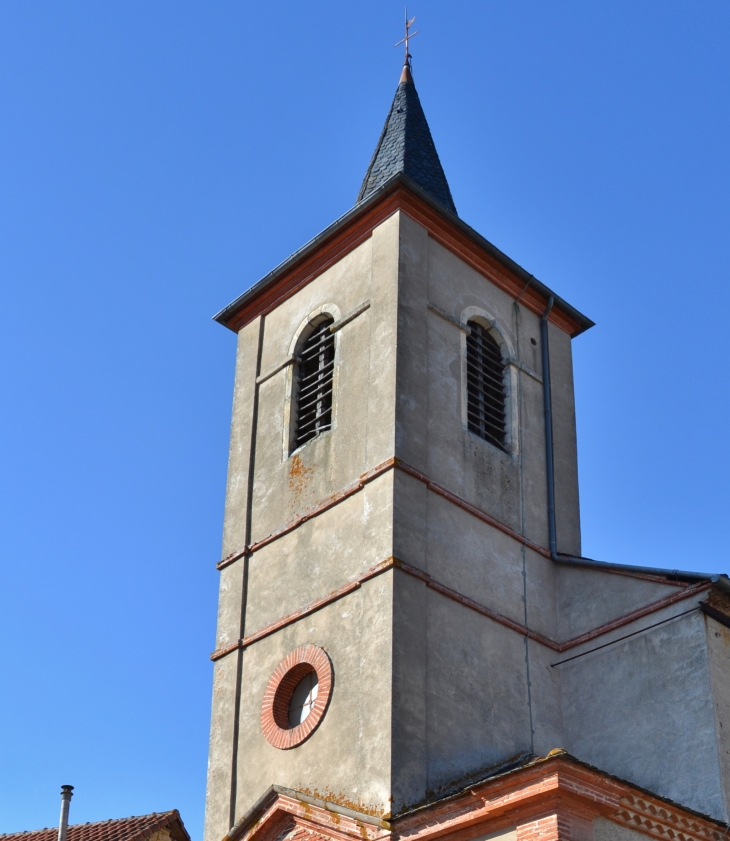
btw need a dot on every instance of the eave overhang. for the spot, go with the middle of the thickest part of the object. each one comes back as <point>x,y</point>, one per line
<point>355,226</point>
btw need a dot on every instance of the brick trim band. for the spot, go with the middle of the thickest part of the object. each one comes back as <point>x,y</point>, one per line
<point>454,595</point>
<point>434,487</point>
<point>279,690</point>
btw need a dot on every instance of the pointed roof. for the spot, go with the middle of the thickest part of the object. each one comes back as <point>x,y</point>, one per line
<point>406,146</point>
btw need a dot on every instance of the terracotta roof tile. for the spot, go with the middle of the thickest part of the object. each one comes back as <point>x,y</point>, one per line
<point>122,829</point>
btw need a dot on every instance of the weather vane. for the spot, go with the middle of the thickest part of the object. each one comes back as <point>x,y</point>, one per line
<point>409,35</point>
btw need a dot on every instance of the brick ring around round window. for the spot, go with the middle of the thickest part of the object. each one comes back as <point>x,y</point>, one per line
<point>299,690</point>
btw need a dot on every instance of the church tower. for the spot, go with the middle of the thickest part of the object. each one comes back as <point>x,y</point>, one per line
<point>407,631</point>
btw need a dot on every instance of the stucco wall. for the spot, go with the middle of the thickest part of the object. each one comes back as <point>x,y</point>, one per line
<point>427,691</point>
<point>642,709</point>
<point>718,643</point>
<point>160,835</point>
<point>588,598</point>
<point>318,556</point>
<point>471,556</point>
<point>459,702</point>
<point>433,416</point>
<point>348,758</point>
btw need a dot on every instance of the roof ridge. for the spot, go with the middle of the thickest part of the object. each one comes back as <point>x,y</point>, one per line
<point>169,813</point>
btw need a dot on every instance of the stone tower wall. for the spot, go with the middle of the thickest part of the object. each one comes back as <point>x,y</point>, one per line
<point>414,553</point>
<point>268,489</point>
<point>426,690</point>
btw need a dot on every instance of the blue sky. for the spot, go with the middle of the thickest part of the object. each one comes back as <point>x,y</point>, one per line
<point>158,158</point>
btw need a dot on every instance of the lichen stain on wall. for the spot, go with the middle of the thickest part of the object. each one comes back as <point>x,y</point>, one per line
<point>341,799</point>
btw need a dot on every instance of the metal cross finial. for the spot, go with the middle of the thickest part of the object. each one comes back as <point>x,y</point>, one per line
<point>409,35</point>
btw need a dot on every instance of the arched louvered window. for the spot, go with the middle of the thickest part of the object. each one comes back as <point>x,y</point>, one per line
<point>486,395</point>
<point>313,384</point>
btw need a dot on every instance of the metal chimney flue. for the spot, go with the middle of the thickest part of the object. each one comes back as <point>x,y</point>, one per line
<point>66,795</point>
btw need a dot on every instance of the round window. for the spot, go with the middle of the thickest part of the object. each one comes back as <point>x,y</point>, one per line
<point>296,697</point>
<point>303,698</point>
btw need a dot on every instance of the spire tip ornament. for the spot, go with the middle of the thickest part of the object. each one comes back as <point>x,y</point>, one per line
<point>406,74</point>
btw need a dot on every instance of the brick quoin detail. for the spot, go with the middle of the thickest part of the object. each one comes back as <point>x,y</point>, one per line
<point>281,686</point>
<point>555,827</point>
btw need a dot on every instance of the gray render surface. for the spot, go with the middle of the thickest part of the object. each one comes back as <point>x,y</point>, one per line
<point>427,691</point>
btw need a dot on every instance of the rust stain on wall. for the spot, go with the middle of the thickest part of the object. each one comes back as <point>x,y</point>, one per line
<point>298,475</point>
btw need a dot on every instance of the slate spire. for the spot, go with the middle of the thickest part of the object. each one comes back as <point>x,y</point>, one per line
<point>406,146</point>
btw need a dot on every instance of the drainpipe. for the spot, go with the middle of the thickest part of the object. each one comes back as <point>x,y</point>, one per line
<point>721,580</point>
<point>548,404</point>
<point>66,795</point>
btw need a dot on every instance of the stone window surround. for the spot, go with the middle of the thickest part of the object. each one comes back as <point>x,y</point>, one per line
<point>288,448</point>
<point>490,323</point>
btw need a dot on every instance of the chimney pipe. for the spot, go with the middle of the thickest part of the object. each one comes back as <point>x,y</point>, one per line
<point>66,795</point>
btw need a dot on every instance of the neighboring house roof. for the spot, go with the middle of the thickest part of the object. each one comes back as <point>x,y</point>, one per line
<point>122,829</point>
<point>406,146</point>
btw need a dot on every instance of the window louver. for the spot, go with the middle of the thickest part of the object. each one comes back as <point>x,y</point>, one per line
<point>316,361</point>
<point>485,389</point>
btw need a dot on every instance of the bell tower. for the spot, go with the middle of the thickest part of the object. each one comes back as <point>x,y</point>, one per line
<point>401,570</point>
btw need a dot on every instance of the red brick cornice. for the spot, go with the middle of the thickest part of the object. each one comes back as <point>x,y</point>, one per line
<point>544,801</point>
<point>560,784</point>
<point>653,817</point>
<point>333,249</point>
<point>288,814</point>
<point>346,237</point>
<point>513,798</point>
<point>464,247</point>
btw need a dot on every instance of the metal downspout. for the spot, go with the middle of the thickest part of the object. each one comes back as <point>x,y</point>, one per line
<point>720,580</point>
<point>548,405</point>
<point>66,795</point>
